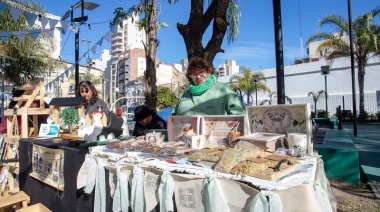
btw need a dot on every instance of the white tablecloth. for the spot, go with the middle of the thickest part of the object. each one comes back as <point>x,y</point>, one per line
<point>308,190</point>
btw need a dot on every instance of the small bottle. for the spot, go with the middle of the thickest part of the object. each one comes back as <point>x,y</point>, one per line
<point>125,125</point>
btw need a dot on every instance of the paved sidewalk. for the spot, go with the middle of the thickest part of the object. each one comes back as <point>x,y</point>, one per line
<point>367,142</point>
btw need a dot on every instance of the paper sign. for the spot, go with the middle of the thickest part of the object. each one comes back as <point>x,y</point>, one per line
<point>49,130</point>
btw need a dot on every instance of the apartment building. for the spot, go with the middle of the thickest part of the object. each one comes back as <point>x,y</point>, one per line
<point>128,55</point>
<point>227,69</point>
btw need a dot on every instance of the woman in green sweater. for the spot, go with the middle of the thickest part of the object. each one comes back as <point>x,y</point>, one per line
<point>207,96</point>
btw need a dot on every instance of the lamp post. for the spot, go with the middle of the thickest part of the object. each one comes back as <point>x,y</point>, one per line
<point>88,60</point>
<point>255,90</point>
<point>256,79</point>
<point>80,20</point>
<point>57,85</point>
<point>5,64</point>
<point>325,70</point>
<point>352,69</point>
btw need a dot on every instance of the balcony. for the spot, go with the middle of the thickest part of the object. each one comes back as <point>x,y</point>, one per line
<point>116,47</point>
<point>117,39</point>
<point>117,50</point>
<point>117,44</point>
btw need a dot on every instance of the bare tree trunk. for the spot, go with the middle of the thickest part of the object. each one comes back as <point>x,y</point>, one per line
<point>151,50</point>
<point>198,23</point>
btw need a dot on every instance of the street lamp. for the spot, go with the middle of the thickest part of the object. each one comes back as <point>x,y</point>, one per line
<point>88,60</point>
<point>352,68</point>
<point>5,64</point>
<point>256,79</point>
<point>325,70</point>
<point>83,5</point>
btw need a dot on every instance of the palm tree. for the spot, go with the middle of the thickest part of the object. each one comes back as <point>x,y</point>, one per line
<point>272,96</point>
<point>335,45</point>
<point>316,97</point>
<point>246,82</point>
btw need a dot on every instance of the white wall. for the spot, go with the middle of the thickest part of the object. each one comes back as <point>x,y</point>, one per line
<point>302,78</point>
<point>164,74</point>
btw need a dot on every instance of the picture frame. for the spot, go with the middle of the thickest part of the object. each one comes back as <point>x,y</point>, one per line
<point>283,119</point>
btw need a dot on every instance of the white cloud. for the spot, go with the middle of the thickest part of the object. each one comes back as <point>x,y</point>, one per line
<point>256,55</point>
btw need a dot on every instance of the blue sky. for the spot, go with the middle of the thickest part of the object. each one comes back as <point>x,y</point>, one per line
<point>254,47</point>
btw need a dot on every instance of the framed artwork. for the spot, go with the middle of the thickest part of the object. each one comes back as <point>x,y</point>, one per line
<point>292,118</point>
<point>47,166</point>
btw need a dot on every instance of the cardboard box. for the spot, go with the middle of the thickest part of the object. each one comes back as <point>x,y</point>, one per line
<point>216,128</point>
<point>176,124</point>
<point>268,141</point>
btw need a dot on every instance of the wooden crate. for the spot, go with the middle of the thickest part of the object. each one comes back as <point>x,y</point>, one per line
<point>18,199</point>
<point>35,208</point>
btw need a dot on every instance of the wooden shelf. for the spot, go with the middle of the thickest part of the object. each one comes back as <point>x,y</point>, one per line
<point>33,91</point>
<point>18,198</point>
<point>25,98</point>
<point>31,111</point>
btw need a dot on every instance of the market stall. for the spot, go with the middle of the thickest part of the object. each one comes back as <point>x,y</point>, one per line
<point>201,166</point>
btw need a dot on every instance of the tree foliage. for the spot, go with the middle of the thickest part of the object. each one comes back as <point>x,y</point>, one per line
<point>316,96</point>
<point>365,36</point>
<point>272,96</point>
<point>166,98</point>
<point>32,55</point>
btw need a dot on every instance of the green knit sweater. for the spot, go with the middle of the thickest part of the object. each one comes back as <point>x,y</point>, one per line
<point>219,99</point>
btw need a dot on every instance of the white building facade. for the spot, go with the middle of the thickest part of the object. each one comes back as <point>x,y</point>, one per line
<point>227,69</point>
<point>303,78</point>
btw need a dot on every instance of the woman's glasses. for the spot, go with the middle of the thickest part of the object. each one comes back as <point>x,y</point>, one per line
<point>202,73</point>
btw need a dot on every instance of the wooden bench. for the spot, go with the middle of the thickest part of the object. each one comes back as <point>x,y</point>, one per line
<point>13,198</point>
<point>326,122</point>
<point>340,156</point>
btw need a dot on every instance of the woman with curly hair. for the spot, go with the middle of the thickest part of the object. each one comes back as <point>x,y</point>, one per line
<point>207,96</point>
<point>91,100</point>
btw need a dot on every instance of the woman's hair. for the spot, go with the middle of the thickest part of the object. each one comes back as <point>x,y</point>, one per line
<point>198,63</point>
<point>86,86</point>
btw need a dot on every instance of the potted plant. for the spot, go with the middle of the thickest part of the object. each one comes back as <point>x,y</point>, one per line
<point>69,117</point>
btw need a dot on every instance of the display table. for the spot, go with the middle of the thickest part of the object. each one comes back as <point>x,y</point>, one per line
<point>182,187</point>
<point>70,199</point>
<point>153,185</point>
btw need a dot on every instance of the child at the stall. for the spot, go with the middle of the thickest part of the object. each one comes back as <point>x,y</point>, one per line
<point>147,119</point>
